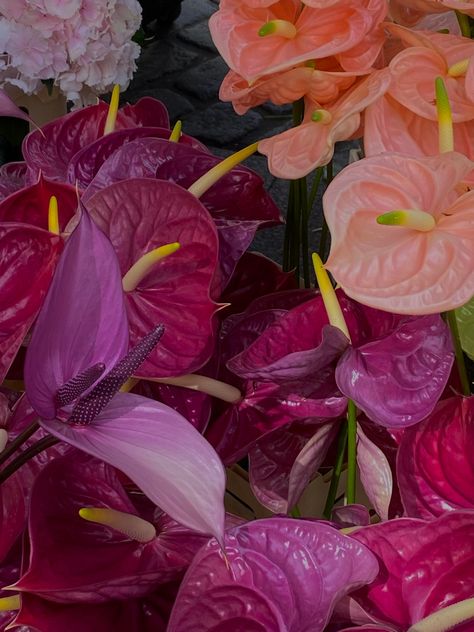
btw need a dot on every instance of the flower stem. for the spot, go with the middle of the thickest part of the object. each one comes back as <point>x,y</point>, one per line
<point>324,229</point>
<point>351,452</point>
<point>19,441</point>
<point>304,216</point>
<point>464,25</point>
<point>295,512</point>
<point>26,455</point>
<point>336,473</point>
<point>458,352</point>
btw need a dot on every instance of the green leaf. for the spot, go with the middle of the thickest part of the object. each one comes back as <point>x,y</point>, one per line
<point>465,319</point>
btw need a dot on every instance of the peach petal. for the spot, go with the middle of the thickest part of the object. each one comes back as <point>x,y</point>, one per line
<point>395,268</point>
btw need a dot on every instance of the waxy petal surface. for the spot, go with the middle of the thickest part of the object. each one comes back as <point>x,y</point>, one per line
<point>284,575</point>
<point>396,268</point>
<point>107,565</point>
<point>160,452</point>
<point>28,258</point>
<point>87,283</point>
<point>12,178</point>
<point>397,380</point>
<point>176,291</point>
<point>434,465</point>
<point>424,566</point>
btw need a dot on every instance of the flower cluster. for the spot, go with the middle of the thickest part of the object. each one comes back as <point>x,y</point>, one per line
<point>83,46</point>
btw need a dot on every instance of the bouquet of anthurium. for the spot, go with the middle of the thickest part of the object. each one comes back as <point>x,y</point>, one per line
<point>143,349</point>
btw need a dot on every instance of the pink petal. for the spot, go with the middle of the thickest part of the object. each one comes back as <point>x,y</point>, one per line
<point>160,452</point>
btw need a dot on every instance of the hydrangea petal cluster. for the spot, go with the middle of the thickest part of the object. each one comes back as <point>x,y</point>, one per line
<point>84,46</point>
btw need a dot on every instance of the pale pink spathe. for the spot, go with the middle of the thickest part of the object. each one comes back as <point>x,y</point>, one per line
<point>395,268</point>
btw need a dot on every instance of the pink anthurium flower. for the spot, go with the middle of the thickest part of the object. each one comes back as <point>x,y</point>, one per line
<point>175,291</point>
<point>439,6</point>
<point>425,567</point>
<point>51,149</point>
<point>423,264</point>
<point>256,41</point>
<point>299,150</point>
<point>280,574</point>
<point>434,465</point>
<point>117,550</point>
<point>28,257</point>
<point>67,356</point>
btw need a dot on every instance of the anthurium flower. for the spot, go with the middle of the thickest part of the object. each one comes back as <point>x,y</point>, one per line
<point>425,566</point>
<point>67,355</point>
<point>297,151</point>
<point>434,464</point>
<point>280,574</point>
<point>127,556</point>
<point>175,291</point>
<point>51,149</point>
<point>256,41</point>
<point>238,202</point>
<point>28,257</point>
<point>322,83</point>
<point>389,260</point>
<point>30,204</point>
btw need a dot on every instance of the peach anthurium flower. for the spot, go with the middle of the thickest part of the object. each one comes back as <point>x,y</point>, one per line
<point>256,41</point>
<point>299,150</point>
<point>415,69</point>
<point>402,234</point>
<point>439,6</point>
<point>313,81</point>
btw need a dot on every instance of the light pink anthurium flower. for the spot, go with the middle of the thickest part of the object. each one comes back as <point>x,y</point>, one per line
<point>402,233</point>
<point>299,150</point>
<point>439,6</point>
<point>259,40</point>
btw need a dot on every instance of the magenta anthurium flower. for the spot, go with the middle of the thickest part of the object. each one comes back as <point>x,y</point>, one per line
<point>434,464</point>
<point>28,257</point>
<point>425,566</point>
<point>51,149</point>
<point>176,290</point>
<point>80,336</point>
<point>238,202</point>
<point>30,204</point>
<point>279,574</point>
<point>144,550</point>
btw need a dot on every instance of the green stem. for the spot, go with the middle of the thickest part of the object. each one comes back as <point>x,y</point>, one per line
<point>314,187</point>
<point>304,230</point>
<point>464,25</point>
<point>19,441</point>
<point>295,512</point>
<point>351,452</point>
<point>26,455</point>
<point>458,352</point>
<point>324,229</point>
<point>295,232</point>
<point>336,473</point>
<point>288,228</point>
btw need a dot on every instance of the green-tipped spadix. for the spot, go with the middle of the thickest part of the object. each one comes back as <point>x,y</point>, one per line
<point>13,602</point>
<point>445,119</point>
<point>459,69</point>
<point>176,132</point>
<point>446,618</point>
<point>113,109</point>
<point>283,28</point>
<point>328,294</point>
<point>206,181</point>
<point>129,525</point>
<point>416,220</point>
<point>142,267</point>
<point>53,215</point>
<point>321,116</point>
